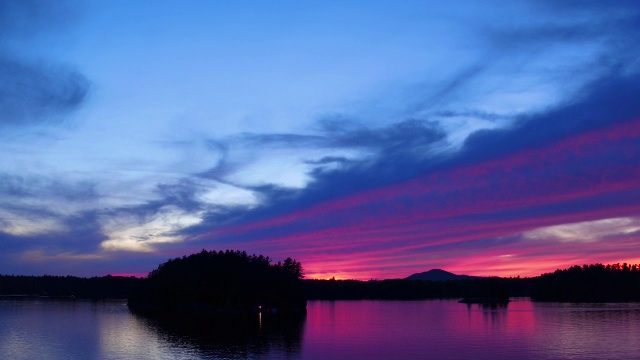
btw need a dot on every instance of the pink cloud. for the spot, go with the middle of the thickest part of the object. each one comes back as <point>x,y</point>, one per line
<point>456,218</point>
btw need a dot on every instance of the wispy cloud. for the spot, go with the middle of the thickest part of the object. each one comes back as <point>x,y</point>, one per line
<point>586,231</point>
<point>40,256</point>
<point>142,234</point>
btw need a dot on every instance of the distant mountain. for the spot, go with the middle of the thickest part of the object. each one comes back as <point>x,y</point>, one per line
<point>438,275</point>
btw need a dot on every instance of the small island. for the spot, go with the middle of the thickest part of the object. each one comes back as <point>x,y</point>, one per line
<point>221,283</point>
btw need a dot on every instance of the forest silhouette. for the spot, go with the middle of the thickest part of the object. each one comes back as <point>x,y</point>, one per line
<point>211,281</point>
<point>589,283</point>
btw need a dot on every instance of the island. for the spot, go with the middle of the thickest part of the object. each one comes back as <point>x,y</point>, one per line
<point>221,283</point>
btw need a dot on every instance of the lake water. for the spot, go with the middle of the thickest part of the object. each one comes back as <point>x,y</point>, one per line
<point>435,329</point>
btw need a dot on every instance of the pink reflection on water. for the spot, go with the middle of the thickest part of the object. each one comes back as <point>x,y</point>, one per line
<point>417,330</point>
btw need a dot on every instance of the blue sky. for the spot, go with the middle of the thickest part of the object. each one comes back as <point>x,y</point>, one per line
<point>132,132</point>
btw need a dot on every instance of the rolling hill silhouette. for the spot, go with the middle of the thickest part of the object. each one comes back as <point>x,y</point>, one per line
<point>438,275</point>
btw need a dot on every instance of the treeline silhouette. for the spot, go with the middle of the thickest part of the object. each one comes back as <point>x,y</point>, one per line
<point>212,282</point>
<point>589,283</point>
<point>235,279</point>
<point>403,289</point>
<point>105,287</point>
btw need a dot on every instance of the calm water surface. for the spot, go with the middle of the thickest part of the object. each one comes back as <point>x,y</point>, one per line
<point>440,329</point>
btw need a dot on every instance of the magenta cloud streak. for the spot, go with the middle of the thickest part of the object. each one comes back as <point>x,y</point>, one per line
<point>469,218</point>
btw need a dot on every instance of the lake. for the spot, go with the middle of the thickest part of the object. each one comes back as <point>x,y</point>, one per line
<point>433,329</point>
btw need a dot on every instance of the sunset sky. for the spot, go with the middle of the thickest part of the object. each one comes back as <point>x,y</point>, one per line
<point>365,139</point>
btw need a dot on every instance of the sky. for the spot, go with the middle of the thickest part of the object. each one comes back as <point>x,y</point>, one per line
<point>365,139</point>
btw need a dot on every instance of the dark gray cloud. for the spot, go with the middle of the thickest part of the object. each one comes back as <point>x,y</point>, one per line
<point>43,188</point>
<point>35,91</point>
<point>344,133</point>
<point>31,94</point>
<point>412,133</point>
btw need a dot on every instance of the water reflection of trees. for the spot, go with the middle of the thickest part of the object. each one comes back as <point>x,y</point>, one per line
<point>494,314</point>
<point>247,336</point>
<point>489,305</point>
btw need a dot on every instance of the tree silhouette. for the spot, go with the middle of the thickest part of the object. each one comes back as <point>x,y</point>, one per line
<point>589,283</point>
<point>223,281</point>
